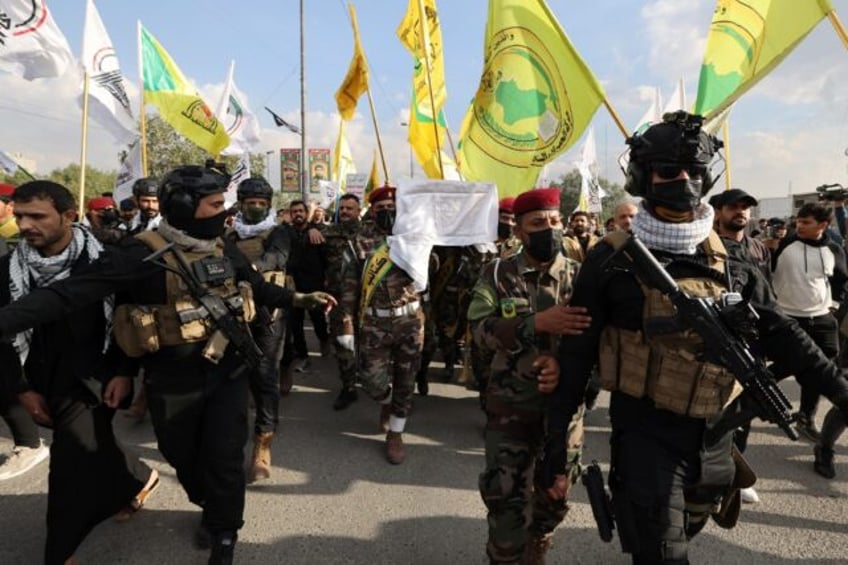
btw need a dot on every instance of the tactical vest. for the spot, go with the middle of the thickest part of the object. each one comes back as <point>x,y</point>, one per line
<point>141,329</point>
<point>663,362</point>
<point>253,248</point>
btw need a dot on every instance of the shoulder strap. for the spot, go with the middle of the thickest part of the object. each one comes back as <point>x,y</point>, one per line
<point>152,239</point>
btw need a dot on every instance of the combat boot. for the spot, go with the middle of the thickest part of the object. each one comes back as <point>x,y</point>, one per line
<point>394,448</point>
<point>346,397</point>
<point>421,383</point>
<point>260,465</point>
<point>536,549</point>
<point>823,464</point>
<point>223,547</point>
<point>385,414</point>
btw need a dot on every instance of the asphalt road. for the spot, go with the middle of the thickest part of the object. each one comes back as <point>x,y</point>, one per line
<point>334,499</point>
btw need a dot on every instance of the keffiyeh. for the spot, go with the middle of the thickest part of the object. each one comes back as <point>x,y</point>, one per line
<point>674,238</point>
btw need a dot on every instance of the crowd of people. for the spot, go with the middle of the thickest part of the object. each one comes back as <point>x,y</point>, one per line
<point>208,305</point>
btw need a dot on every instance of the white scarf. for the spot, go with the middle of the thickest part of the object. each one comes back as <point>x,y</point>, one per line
<point>682,239</point>
<point>27,267</point>
<point>247,231</point>
<point>183,241</point>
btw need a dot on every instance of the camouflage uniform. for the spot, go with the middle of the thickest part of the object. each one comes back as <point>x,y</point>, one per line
<point>342,281</point>
<point>504,300</point>
<point>392,333</point>
<point>509,247</point>
<point>430,337</point>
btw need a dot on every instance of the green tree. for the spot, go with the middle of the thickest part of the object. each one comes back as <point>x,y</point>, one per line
<point>570,184</point>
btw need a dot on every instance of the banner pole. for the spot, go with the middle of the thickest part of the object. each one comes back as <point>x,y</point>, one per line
<point>616,118</point>
<point>837,25</point>
<point>141,112</point>
<point>726,134</point>
<point>83,144</point>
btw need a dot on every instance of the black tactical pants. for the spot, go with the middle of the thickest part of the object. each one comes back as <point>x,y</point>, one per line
<point>655,457</point>
<point>199,415</point>
<point>824,331</point>
<point>21,425</point>
<point>265,379</point>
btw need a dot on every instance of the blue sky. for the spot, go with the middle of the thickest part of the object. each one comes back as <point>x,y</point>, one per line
<point>790,129</point>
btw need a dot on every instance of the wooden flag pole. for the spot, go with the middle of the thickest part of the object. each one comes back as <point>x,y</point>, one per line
<point>726,134</point>
<point>377,133</point>
<point>83,145</point>
<point>425,41</point>
<point>837,25</point>
<point>616,118</point>
<point>141,112</point>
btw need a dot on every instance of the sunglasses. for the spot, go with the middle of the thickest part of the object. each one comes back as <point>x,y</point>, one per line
<point>669,171</point>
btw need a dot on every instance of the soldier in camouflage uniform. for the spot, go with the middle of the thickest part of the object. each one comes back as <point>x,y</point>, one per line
<point>342,281</point>
<point>392,324</point>
<point>431,340</point>
<point>518,311</point>
<point>256,234</point>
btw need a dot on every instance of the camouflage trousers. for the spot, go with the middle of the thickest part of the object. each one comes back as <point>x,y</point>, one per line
<point>341,324</point>
<point>511,485</point>
<point>389,356</point>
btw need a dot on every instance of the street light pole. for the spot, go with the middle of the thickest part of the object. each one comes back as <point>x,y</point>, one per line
<point>304,162</point>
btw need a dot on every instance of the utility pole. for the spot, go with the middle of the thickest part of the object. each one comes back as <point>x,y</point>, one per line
<point>304,161</point>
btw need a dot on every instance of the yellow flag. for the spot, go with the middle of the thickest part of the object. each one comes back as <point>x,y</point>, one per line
<point>355,83</point>
<point>178,102</point>
<point>343,163</point>
<point>373,180</point>
<point>536,96</point>
<point>747,40</point>
<point>423,38</point>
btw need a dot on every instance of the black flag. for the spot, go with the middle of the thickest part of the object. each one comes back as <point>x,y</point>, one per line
<point>280,122</point>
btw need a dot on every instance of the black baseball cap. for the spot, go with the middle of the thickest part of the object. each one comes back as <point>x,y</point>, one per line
<point>731,196</point>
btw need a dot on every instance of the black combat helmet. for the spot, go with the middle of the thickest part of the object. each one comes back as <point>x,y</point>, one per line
<point>182,188</point>
<point>147,186</point>
<point>254,187</point>
<point>676,142</point>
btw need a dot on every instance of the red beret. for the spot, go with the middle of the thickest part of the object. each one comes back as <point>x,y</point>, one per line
<point>101,203</point>
<point>6,190</point>
<point>538,199</point>
<point>506,204</point>
<point>382,193</point>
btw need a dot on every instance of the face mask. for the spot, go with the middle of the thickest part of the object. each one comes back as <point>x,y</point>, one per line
<point>680,195</point>
<point>109,217</point>
<point>206,228</point>
<point>544,245</point>
<point>504,230</point>
<point>385,219</point>
<point>254,214</point>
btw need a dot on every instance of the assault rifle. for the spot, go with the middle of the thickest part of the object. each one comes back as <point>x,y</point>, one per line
<point>719,327</point>
<point>222,313</point>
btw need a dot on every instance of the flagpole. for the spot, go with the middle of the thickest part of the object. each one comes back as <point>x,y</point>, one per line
<point>83,143</point>
<point>616,118</point>
<point>837,25</point>
<point>425,40</point>
<point>377,133</point>
<point>726,134</point>
<point>141,112</point>
<point>304,164</point>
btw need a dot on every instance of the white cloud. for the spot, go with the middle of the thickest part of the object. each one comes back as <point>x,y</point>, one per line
<point>675,34</point>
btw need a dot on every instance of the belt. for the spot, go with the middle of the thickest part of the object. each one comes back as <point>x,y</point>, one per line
<point>405,310</point>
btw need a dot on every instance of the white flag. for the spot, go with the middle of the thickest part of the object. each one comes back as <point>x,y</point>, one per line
<point>242,125</point>
<point>440,212</point>
<point>241,173</point>
<point>109,104</point>
<point>590,190</point>
<point>677,100</point>
<point>31,44</point>
<point>329,191</point>
<point>129,172</point>
<point>7,164</point>
<point>653,115</point>
<point>544,180</point>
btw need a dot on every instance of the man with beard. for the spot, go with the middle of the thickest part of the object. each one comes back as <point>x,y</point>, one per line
<point>391,322</point>
<point>519,310</point>
<point>65,378</point>
<point>306,265</point>
<point>581,240</point>
<point>342,282</point>
<point>733,214</point>
<point>672,461</point>
<point>103,220</point>
<point>145,193</point>
<point>194,375</point>
<point>266,246</point>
